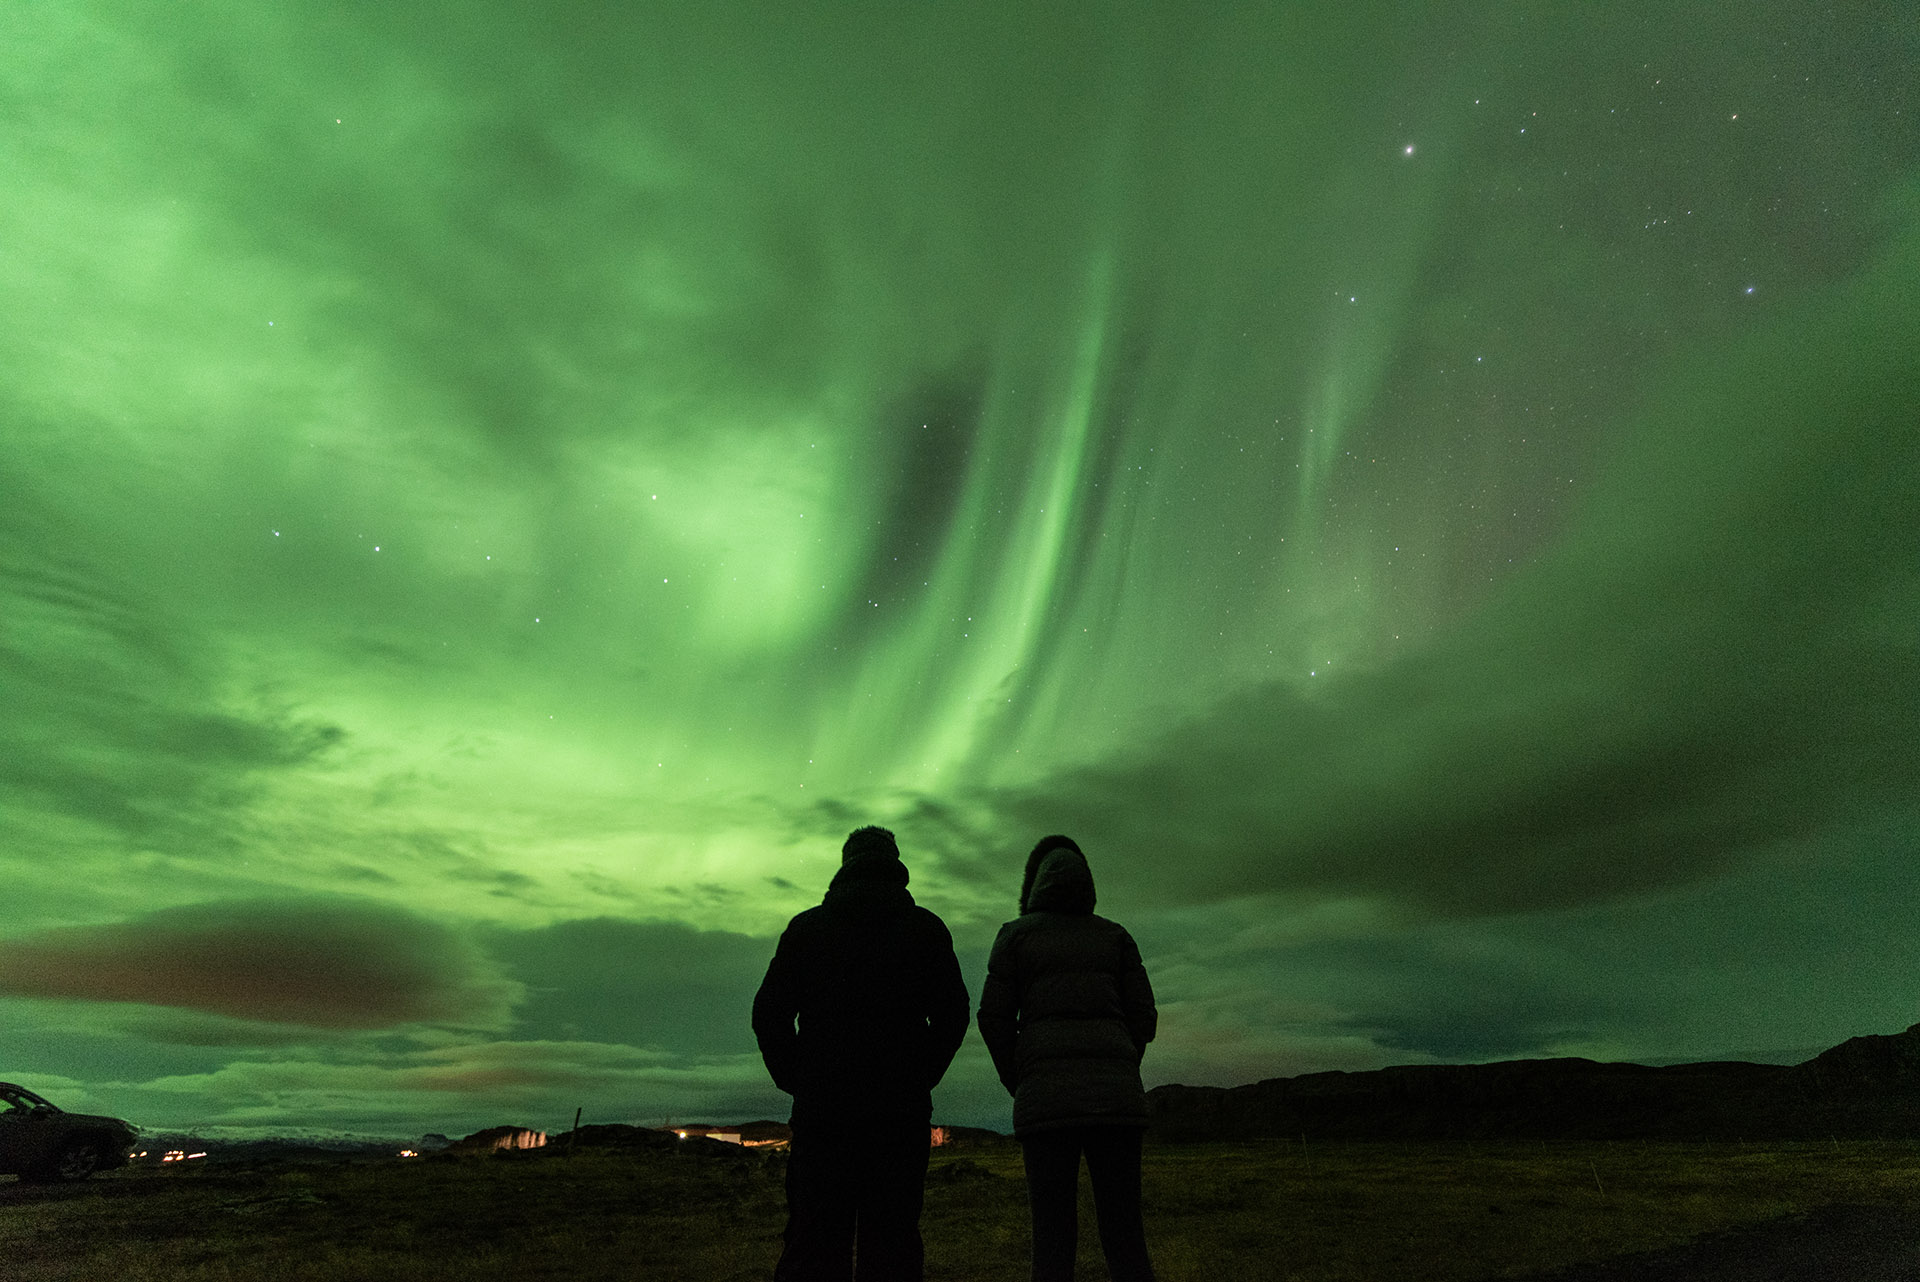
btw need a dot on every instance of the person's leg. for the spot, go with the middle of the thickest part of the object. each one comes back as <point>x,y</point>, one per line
<point>820,1208</point>
<point>1113,1168</point>
<point>1053,1178</point>
<point>893,1186</point>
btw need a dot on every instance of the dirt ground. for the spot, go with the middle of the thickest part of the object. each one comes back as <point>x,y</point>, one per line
<point>1251,1212</point>
<point>1832,1244</point>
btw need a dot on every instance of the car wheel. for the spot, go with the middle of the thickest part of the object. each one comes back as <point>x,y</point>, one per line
<point>76,1160</point>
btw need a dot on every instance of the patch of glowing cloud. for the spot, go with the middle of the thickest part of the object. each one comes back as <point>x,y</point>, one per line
<point>739,529</point>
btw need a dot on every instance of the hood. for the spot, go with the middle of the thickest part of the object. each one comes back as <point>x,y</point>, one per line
<point>1064,884</point>
<point>104,1122</point>
<point>865,877</point>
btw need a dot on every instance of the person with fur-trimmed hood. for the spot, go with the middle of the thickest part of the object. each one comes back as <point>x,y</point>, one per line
<point>1067,1013</point>
<point>858,1018</point>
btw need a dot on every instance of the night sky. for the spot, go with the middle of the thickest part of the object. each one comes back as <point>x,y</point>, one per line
<point>1428,495</point>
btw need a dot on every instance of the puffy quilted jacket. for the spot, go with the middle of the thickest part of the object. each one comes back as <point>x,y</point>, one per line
<point>1067,1011</point>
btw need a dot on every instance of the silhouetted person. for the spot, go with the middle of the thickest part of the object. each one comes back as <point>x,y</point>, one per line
<point>871,978</point>
<point>1067,1013</point>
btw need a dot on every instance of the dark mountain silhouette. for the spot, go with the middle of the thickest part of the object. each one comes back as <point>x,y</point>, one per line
<point>660,1139</point>
<point>617,1135</point>
<point>1864,1088</point>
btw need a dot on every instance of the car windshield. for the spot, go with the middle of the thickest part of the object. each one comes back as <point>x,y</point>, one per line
<point>19,1099</point>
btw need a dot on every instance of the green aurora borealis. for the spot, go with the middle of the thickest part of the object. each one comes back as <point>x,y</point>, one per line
<point>490,494</point>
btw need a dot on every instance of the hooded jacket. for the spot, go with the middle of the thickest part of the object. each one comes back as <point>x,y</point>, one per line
<point>863,1006</point>
<point>1067,1011</point>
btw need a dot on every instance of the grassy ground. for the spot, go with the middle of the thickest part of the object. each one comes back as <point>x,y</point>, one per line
<point>1216,1213</point>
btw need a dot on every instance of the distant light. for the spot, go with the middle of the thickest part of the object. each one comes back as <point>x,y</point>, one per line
<point>1407,150</point>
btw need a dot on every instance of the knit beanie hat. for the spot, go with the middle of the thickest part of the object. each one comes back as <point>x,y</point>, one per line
<point>869,843</point>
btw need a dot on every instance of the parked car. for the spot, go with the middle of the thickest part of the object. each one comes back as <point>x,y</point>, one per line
<point>45,1145</point>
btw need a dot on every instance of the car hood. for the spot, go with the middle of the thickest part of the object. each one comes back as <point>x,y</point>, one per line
<point>106,1123</point>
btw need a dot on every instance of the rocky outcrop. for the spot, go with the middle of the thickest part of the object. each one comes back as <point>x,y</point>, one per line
<point>1868,1087</point>
<point>495,1138</point>
<point>1872,1065</point>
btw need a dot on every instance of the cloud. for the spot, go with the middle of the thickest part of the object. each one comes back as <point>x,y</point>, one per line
<point>319,963</point>
<point>1719,655</point>
<point>949,844</point>
<point>646,983</point>
<point>115,718</point>
<point>453,1088</point>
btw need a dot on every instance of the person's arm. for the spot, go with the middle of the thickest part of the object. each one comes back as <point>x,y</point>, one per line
<point>1136,996</point>
<point>774,1009</point>
<point>946,1010</point>
<point>999,1016</point>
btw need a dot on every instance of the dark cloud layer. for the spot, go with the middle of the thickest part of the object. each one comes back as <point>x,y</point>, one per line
<point>115,718</point>
<point>1723,654</point>
<point>644,983</point>
<point>328,964</point>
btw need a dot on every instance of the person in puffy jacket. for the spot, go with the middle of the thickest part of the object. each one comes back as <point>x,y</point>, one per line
<point>1067,1013</point>
<point>860,1013</point>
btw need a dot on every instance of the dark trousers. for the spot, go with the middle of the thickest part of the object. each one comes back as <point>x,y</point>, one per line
<point>853,1194</point>
<point>1053,1195</point>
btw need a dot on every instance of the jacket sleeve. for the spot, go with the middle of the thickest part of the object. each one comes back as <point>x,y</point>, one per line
<point>1000,1010</point>
<point>774,1009</point>
<point>946,1009</point>
<point>1136,997</point>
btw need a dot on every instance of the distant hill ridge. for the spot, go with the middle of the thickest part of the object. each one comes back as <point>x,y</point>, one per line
<point>1864,1088</point>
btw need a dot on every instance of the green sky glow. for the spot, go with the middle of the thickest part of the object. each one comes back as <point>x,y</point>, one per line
<point>489,496</point>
